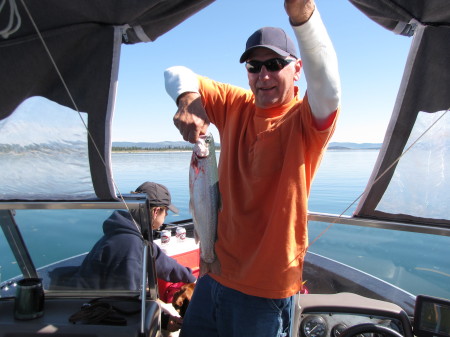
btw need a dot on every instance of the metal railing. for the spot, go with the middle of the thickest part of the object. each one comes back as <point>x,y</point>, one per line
<point>364,222</point>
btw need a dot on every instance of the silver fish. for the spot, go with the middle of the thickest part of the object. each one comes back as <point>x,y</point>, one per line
<point>204,195</point>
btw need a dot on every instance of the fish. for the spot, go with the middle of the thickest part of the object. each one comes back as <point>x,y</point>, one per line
<point>204,203</point>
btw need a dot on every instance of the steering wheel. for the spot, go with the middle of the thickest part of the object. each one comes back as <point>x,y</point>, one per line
<point>369,328</point>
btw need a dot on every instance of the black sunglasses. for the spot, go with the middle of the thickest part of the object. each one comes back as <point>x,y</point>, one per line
<point>275,64</point>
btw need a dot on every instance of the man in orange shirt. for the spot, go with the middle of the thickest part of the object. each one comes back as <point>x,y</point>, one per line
<point>272,142</point>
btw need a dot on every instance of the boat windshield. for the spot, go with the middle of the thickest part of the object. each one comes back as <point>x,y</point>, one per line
<point>410,260</point>
<point>413,262</point>
<point>70,250</point>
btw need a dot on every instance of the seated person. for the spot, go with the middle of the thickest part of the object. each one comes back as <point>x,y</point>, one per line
<point>115,261</point>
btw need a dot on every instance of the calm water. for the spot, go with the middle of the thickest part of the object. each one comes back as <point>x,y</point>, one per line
<point>340,181</point>
<point>415,262</point>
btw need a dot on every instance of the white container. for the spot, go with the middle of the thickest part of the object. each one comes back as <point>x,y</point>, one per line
<point>165,237</point>
<point>180,234</point>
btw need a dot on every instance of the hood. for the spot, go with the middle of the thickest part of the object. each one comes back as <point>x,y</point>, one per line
<point>120,222</point>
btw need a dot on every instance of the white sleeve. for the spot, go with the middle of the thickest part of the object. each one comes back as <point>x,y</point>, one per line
<point>320,66</point>
<point>180,79</point>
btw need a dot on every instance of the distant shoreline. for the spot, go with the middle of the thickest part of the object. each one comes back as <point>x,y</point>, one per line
<point>148,151</point>
<point>137,151</point>
<point>182,146</point>
<point>353,149</point>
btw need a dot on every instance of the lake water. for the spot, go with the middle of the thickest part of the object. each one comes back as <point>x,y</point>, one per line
<point>341,179</point>
<point>414,262</point>
<point>417,263</point>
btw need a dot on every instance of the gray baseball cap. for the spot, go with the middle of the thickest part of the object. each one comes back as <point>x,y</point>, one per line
<point>157,194</point>
<point>272,38</point>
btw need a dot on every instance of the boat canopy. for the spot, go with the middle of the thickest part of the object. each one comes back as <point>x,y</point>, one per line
<point>412,174</point>
<point>83,38</point>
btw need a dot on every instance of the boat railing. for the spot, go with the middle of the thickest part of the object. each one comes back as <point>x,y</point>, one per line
<point>383,224</point>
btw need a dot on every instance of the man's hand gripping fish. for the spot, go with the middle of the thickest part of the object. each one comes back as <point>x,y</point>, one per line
<point>205,199</point>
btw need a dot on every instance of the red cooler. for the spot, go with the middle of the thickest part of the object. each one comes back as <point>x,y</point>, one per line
<point>186,253</point>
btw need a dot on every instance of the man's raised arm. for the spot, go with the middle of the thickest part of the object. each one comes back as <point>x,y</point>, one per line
<point>319,60</point>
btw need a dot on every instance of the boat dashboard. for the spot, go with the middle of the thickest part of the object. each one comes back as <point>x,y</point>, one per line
<point>331,315</point>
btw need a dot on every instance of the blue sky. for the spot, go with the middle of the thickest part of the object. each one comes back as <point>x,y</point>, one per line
<point>371,63</point>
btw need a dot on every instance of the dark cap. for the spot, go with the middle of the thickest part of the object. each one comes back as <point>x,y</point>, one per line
<point>272,38</point>
<point>157,194</point>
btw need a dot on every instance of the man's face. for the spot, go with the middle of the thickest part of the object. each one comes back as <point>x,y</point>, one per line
<point>273,89</point>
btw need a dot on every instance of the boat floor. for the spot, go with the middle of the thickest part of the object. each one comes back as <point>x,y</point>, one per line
<point>55,321</point>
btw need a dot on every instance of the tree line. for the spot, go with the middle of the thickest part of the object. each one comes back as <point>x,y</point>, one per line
<point>137,148</point>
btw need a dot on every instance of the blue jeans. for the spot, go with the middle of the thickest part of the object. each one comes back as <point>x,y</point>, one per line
<point>216,310</point>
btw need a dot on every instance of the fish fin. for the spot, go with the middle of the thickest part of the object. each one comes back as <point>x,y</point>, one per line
<point>219,203</point>
<point>213,267</point>
<point>196,236</point>
<point>219,198</point>
<point>191,206</point>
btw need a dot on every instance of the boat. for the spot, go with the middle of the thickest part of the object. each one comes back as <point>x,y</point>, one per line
<point>58,57</point>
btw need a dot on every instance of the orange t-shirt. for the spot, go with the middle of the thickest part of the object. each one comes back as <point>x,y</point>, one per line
<point>267,162</point>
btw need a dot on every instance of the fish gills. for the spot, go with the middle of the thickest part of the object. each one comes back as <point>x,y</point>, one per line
<point>204,195</point>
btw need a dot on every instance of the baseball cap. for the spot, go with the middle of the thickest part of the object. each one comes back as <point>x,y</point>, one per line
<point>157,194</point>
<point>272,38</point>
